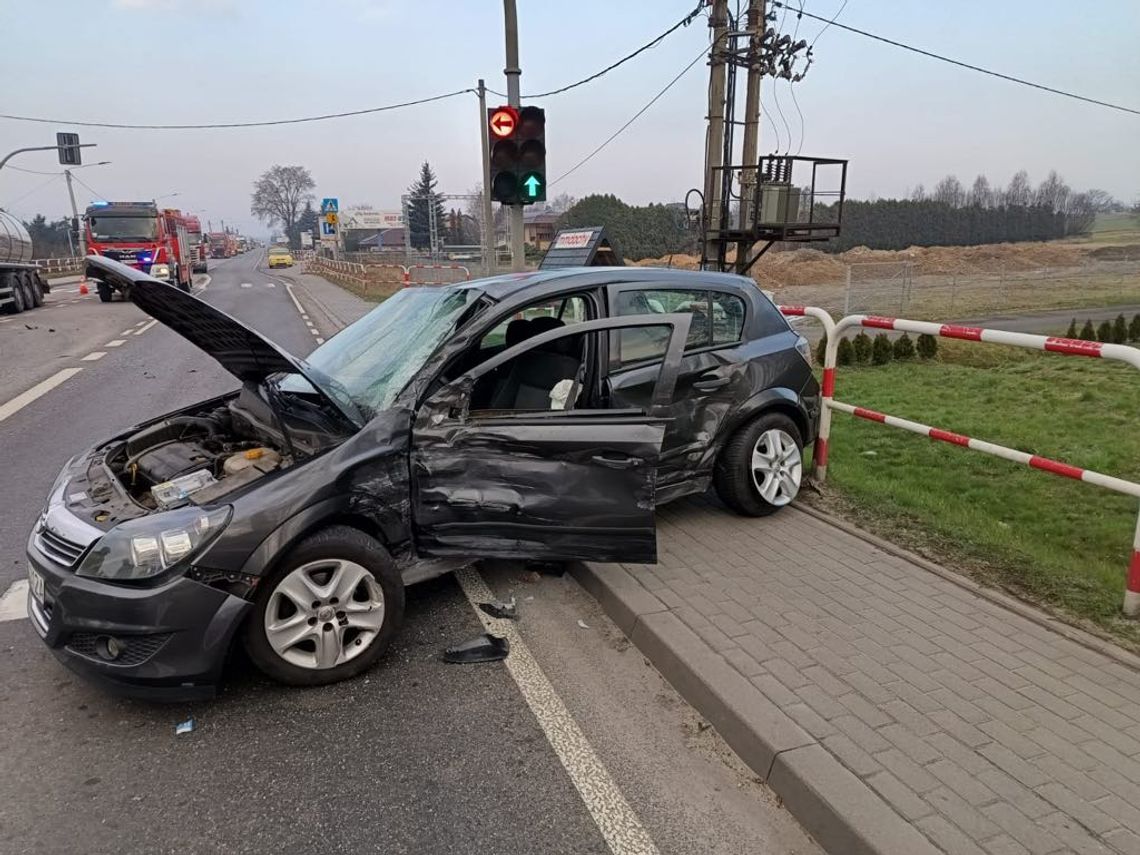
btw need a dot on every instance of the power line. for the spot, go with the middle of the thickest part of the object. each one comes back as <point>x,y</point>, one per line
<point>834,18</point>
<point>635,117</point>
<point>684,22</point>
<point>961,64</point>
<point>216,125</point>
<point>90,189</point>
<point>31,171</point>
<point>35,189</point>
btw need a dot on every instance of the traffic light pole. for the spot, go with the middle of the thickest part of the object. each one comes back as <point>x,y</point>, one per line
<point>82,232</point>
<point>513,72</point>
<point>489,248</point>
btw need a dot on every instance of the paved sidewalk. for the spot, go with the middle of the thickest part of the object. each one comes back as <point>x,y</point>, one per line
<point>878,697</point>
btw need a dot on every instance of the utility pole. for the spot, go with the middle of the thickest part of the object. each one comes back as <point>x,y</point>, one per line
<point>714,140</point>
<point>489,246</point>
<point>749,179</point>
<point>75,215</point>
<point>513,72</point>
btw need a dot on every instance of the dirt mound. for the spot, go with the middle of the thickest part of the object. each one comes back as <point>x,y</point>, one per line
<point>810,266</point>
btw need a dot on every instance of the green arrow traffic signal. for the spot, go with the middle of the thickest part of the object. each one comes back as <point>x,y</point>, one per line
<point>534,187</point>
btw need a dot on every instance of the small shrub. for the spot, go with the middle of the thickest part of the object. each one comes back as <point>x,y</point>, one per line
<point>1088,333</point>
<point>928,346</point>
<point>862,345</point>
<point>903,347</point>
<point>881,351</point>
<point>1134,329</point>
<point>845,355</point>
<point>1071,332</point>
<point>821,351</point>
<point>1104,331</point>
<point>1120,330</point>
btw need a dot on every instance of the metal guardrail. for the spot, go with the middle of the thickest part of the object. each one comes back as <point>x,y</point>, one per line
<point>1049,344</point>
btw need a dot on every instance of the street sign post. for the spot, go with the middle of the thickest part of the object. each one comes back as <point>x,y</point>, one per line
<point>330,206</point>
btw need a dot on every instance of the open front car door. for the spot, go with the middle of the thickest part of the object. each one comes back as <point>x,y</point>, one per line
<point>571,481</point>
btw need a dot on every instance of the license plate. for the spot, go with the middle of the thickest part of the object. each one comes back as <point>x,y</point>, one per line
<point>36,583</point>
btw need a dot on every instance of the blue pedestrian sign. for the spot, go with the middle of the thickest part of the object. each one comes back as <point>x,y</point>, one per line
<point>330,206</point>
<point>328,229</point>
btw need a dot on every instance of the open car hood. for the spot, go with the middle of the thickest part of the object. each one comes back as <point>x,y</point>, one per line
<point>244,353</point>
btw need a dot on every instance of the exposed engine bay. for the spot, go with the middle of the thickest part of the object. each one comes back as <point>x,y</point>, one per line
<point>198,457</point>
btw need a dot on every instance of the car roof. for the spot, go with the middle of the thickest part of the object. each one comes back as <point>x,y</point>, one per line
<point>537,283</point>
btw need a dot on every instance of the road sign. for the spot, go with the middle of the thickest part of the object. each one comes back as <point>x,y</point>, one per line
<point>328,229</point>
<point>330,206</point>
<point>69,151</point>
<point>331,218</point>
<point>503,122</point>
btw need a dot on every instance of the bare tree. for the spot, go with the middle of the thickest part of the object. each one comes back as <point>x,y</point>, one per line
<point>1053,193</point>
<point>949,191</point>
<point>1019,194</point>
<point>918,194</point>
<point>1102,201</point>
<point>279,196</point>
<point>562,203</point>
<point>981,196</point>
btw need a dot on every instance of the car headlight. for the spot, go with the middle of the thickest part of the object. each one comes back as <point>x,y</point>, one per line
<point>139,549</point>
<point>160,271</point>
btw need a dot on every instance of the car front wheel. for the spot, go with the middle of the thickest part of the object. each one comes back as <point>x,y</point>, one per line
<point>328,612</point>
<point>760,469</point>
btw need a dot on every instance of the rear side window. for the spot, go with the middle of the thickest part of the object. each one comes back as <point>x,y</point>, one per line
<point>727,316</point>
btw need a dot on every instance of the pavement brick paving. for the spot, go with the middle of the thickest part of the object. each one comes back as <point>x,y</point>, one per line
<point>987,731</point>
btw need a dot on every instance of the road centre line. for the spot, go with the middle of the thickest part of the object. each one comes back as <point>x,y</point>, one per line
<point>320,340</point>
<point>246,284</point>
<point>616,820</point>
<point>10,408</point>
<point>119,342</point>
<point>131,331</point>
<point>14,603</point>
<point>145,328</point>
<point>94,355</point>
<point>140,323</point>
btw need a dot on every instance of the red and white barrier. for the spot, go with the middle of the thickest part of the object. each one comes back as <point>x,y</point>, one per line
<point>1050,344</point>
<point>408,272</point>
<point>820,451</point>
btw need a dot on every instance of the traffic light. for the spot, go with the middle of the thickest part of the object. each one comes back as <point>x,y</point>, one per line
<point>518,154</point>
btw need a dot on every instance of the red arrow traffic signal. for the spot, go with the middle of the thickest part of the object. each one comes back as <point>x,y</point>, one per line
<point>503,122</point>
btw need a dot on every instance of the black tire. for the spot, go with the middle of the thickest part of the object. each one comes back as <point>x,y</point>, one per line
<point>733,477</point>
<point>18,301</point>
<point>104,291</point>
<point>334,543</point>
<point>35,290</point>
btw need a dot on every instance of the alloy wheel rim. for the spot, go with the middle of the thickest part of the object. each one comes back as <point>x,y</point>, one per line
<point>324,613</point>
<point>777,467</point>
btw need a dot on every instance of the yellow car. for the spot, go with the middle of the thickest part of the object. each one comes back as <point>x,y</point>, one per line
<point>280,258</point>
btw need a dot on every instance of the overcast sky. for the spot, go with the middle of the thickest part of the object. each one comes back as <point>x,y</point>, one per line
<point>900,118</point>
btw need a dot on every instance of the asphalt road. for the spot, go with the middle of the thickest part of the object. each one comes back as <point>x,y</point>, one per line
<point>417,756</point>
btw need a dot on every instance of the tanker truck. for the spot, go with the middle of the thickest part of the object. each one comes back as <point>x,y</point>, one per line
<point>21,286</point>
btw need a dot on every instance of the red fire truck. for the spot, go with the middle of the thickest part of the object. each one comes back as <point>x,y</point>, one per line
<point>140,236</point>
<point>199,247</point>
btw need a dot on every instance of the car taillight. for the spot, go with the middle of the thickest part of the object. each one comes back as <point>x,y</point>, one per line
<point>804,348</point>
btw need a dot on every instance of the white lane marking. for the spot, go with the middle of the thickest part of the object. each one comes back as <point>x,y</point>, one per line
<point>131,331</point>
<point>293,297</point>
<point>304,317</point>
<point>14,603</point>
<point>22,400</point>
<point>320,340</point>
<point>616,820</point>
<point>206,280</point>
<point>141,330</point>
<point>246,284</point>
<point>270,284</point>
<point>119,342</point>
<point>140,323</point>
<point>94,355</point>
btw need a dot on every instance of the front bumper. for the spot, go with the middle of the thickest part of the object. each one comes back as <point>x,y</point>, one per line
<point>175,635</point>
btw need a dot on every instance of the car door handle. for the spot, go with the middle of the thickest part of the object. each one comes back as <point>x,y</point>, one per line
<point>711,382</point>
<point>625,462</point>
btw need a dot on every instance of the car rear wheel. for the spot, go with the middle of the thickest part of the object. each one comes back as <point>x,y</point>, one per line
<point>328,612</point>
<point>760,469</point>
<point>105,292</point>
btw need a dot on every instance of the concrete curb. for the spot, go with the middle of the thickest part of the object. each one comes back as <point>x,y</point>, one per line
<point>840,811</point>
<point>1044,620</point>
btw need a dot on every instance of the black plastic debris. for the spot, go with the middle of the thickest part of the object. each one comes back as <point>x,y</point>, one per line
<point>485,648</point>
<point>501,610</point>
<point>548,568</point>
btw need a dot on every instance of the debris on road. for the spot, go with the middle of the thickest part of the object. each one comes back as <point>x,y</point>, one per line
<point>499,609</point>
<point>184,727</point>
<point>583,624</point>
<point>484,648</point>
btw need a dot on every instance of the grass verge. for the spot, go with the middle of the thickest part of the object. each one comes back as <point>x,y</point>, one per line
<point>1052,541</point>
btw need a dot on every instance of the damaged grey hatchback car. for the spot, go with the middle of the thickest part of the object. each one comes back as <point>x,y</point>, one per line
<point>537,416</point>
